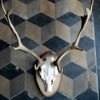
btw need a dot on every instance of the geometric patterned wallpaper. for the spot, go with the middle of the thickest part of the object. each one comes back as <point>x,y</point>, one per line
<point>47,25</point>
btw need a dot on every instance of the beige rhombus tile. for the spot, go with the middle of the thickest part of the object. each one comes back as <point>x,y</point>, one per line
<point>93,81</point>
<point>66,86</point>
<point>33,32</point>
<point>63,31</point>
<point>48,31</point>
<point>76,7</point>
<point>47,8</point>
<point>4,87</point>
<point>21,59</point>
<point>79,57</point>
<point>62,7</point>
<point>4,57</point>
<point>73,87</point>
<point>6,34</point>
<point>19,8</point>
<point>10,88</point>
<point>31,86</point>
<point>17,85</point>
<point>89,32</point>
<point>33,8</point>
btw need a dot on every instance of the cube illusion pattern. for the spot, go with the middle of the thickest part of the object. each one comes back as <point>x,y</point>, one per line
<point>47,25</point>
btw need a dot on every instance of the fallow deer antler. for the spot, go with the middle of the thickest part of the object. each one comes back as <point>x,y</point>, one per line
<point>74,45</point>
<point>20,44</point>
<point>49,72</point>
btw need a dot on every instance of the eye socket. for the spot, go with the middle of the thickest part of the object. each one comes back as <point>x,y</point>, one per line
<point>51,81</point>
<point>39,69</point>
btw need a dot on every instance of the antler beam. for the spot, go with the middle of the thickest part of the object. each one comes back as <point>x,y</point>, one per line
<point>20,45</point>
<point>74,45</point>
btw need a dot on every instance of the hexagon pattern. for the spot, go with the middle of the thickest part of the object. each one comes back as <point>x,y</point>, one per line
<point>47,25</point>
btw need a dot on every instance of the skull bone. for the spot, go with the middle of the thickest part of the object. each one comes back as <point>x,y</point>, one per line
<point>48,72</point>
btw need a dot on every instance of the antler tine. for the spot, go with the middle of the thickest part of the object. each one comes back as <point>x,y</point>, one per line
<point>20,45</point>
<point>74,45</point>
<point>57,62</point>
<point>85,20</point>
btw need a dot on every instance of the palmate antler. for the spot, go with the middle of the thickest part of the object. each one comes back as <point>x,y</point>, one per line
<point>20,45</point>
<point>74,45</point>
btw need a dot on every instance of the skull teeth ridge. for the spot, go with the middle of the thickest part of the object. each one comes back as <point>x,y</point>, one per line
<point>48,71</point>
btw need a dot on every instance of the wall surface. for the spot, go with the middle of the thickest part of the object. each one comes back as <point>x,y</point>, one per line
<point>96,13</point>
<point>47,25</point>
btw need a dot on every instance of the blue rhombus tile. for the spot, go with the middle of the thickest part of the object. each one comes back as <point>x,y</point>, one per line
<point>28,43</point>
<point>26,1</point>
<point>4,1</point>
<point>54,1</point>
<point>40,19</point>
<point>3,20</point>
<point>88,95</point>
<point>14,19</point>
<point>31,71</point>
<point>57,96</point>
<point>69,19</point>
<point>73,70</point>
<point>3,98</point>
<point>3,45</point>
<point>56,44</point>
<point>86,43</point>
<point>93,69</point>
<point>10,71</point>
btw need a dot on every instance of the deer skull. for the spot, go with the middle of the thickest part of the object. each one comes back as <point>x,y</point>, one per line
<point>48,72</point>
